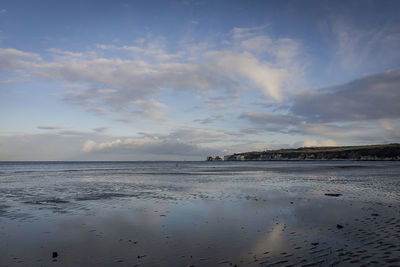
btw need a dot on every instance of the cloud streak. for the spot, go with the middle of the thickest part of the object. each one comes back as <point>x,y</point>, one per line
<point>357,46</point>
<point>48,127</point>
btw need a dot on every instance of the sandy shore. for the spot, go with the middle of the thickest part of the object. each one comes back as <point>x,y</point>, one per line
<point>243,215</point>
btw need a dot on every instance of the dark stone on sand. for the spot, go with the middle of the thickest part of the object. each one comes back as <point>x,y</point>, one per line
<point>315,244</point>
<point>375,214</point>
<point>339,226</point>
<point>54,254</point>
<point>332,194</point>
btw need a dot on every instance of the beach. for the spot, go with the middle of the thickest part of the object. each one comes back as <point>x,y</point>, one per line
<point>200,213</point>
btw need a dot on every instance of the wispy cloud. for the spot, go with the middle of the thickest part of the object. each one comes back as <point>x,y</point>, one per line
<point>48,127</point>
<point>56,51</point>
<point>359,47</point>
<point>247,32</point>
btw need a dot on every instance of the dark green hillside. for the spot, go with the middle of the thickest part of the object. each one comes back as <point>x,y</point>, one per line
<point>367,152</point>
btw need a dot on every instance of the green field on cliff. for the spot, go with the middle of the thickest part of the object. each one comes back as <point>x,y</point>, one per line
<point>364,152</point>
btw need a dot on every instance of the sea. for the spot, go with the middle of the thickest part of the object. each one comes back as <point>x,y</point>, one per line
<point>227,213</point>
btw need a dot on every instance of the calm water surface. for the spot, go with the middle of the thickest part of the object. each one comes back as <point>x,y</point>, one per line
<point>199,213</point>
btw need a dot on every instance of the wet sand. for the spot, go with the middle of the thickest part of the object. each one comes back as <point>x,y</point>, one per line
<point>201,214</point>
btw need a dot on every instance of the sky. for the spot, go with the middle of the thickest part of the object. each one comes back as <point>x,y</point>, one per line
<point>182,80</point>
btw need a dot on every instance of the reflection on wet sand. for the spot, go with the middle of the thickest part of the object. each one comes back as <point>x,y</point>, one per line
<point>259,216</point>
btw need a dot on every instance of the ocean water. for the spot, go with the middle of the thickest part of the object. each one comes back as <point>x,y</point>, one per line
<point>199,213</point>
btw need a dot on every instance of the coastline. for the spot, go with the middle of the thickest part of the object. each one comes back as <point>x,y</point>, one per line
<point>389,152</point>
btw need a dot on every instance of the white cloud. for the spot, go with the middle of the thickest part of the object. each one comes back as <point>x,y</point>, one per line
<point>13,59</point>
<point>150,109</point>
<point>11,52</point>
<point>238,68</point>
<point>127,79</point>
<point>89,146</point>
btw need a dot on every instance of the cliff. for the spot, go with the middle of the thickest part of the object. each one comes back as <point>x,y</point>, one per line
<point>368,152</point>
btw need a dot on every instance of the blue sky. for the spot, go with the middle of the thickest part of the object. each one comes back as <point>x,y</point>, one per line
<point>180,80</point>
